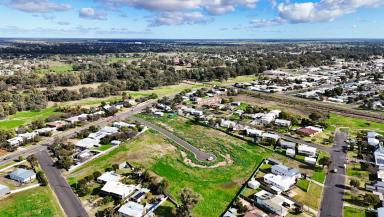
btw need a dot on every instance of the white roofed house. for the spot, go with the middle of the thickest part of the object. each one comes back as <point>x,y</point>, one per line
<point>132,209</point>
<point>286,144</point>
<point>253,132</point>
<point>282,123</point>
<point>117,189</point>
<point>16,141</point>
<point>284,183</point>
<point>270,137</point>
<point>28,136</point>
<point>78,118</point>
<point>227,124</point>
<point>273,203</point>
<point>109,176</point>
<point>87,143</point>
<point>307,150</point>
<point>123,124</point>
<point>282,170</point>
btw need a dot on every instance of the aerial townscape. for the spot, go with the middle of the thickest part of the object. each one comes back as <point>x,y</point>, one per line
<point>192,108</point>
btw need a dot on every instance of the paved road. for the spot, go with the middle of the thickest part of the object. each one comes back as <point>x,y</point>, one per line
<point>69,201</point>
<point>72,132</point>
<point>332,203</point>
<point>200,155</point>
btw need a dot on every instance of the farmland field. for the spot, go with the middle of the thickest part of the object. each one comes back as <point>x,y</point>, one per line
<point>25,117</point>
<point>37,202</point>
<point>354,123</point>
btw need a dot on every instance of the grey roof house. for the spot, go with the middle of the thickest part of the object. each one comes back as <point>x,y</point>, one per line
<point>4,190</point>
<point>22,175</point>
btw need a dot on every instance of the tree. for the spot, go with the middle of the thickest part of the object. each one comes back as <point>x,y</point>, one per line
<point>189,200</point>
<point>96,174</point>
<point>32,160</point>
<point>325,161</point>
<point>115,167</point>
<point>42,179</point>
<point>355,183</point>
<point>371,199</point>
<point>315,116</point>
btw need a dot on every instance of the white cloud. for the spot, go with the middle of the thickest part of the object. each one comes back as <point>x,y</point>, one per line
<point>179,18</point>
<point>312,12</point>
<point>212,6</point>
<point>323,11</point>
<point>37,6</point>
<point>91,13</point>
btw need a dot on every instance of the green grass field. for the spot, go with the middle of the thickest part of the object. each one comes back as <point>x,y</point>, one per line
<point>57,67</point>
<point>112,60</point>
<point>353,124</point>
<point>312,198</point>
<point>37,202</point>
<point>353,212</point>
<point>25,117</point>
<point>238,79</point>
<point>303,184</point>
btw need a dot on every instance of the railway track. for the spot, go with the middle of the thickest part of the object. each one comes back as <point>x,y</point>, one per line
<point>317,106</point>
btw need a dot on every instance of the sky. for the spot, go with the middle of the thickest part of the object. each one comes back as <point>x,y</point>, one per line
<point>192,19</point>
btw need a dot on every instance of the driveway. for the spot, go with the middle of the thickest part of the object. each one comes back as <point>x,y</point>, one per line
<point>332,203</point>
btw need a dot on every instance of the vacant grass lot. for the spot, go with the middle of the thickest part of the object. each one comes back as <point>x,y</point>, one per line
<point>142,151</point>
<point>37,202</point>
<point>312,198</point>
<point>354,124</point>
<point>26,117</point>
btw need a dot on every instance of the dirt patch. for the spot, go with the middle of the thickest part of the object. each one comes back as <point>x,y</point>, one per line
<point>228,161</point>
<point>228,185</point>
<point>3,152</point>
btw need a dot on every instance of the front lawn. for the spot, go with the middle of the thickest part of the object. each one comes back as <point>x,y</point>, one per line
<point>312,198</point>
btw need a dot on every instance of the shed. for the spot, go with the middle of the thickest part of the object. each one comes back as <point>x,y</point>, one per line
<point>4,190</point>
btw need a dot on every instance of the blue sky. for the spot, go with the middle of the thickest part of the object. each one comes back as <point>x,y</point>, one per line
<point>195,19</point>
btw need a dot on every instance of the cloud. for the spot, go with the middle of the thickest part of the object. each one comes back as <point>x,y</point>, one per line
<point>63,23</point>
<point>258,23</point>
<point>37,6</point>
<point>92,14</point>
<point>212,6</point>
<point>179,18</point>
<point>79,30</point>
<point>313,12</point>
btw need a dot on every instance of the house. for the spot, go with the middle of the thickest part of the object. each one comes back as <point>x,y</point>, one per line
<point>372,134</point>
<point>290,152</point>
<point>132,209</point>
<point>16,141</point>
<point>283,183</point>
<point>78,118</point>
<point>117,189</point>
<point>272,203</point>
<point>123,124</point>
<point>380,212</point>
<point>115,142</point>
<point>84,155</point>
<point>57,124</point>
<point>285,171</point>
<point>373,141</point>
<point>45,130</point>
<point>139,195</point>
<point>109,130</point>
<point>310,160</point>
<point>378,186</point>
<point>235,103</point>
<point>282,123</point>
<point>227,124</point>
<point>22,175</point>
<point>306,132</point>
<point>379,156</point>
<point>286,144</point>
<point>87,143</point>
<point>307,150</point>
<point>108,177</point>
<point>253,184</point>
<point>159,114</point>
<point>270,137</point>
<point>253,132</point>
<point>4,190</point>
<point>28,136</point>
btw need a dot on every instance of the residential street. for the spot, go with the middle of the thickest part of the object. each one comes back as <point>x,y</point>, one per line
<point>69,201</point>
<point>200,155</point>
<point>332,203</point>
